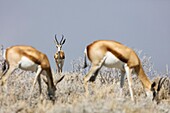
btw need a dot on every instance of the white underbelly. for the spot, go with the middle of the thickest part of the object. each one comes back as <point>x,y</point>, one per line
<point>27,64</point>
<point>112,61</point>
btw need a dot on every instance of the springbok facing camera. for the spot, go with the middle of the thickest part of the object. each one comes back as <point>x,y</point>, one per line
<point>115,55</point>
<point>29,59</point>
<point>59,55</point>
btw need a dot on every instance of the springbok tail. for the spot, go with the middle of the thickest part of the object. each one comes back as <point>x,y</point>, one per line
<point>85,59</point>
<point>5,67</point>
<point>5,64</point>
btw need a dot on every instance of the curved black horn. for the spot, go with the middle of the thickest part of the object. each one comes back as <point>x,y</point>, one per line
<point>56,39</point>
<point>62,39</point>
<point>161,81</point>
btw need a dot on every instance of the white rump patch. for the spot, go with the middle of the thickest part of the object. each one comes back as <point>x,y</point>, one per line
<point>85,51</point>
<point>4,54</point>
<point>113,62</point>
<point>27,64</point>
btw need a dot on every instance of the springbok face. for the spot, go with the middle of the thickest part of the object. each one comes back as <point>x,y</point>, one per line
<point>161,89</point>
<point>59,45</point>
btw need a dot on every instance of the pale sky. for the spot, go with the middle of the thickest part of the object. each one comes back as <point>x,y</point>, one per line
<point>140,24</point>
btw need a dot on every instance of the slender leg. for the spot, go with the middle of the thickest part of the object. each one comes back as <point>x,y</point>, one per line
<point>6,76</point>
<point>93,69</point>
<point>122,82</point>
<point>35,80</point>
<point>62,63</point>
<point>58,68</point>
<point>40,87</point>
<point>128,72</point>
<point>93,77</point>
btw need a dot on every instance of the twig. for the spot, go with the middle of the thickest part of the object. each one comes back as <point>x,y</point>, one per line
<point>167,70</point>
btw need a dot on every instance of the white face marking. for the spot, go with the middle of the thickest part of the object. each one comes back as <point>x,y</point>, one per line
<point>59,47</point>
<point>27,64</point>
<point>113,62</point>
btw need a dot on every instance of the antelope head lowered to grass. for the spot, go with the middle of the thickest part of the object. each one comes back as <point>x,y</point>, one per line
<point>59,55</point>
<point>29,59</point>
<point>162,86</point>
<point>115,55</point>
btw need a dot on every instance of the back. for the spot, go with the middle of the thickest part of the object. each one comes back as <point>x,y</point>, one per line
<point>100,47</point>
<point>17,52</point>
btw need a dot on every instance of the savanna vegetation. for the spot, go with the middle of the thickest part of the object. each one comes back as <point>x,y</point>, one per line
<point>70,97</point>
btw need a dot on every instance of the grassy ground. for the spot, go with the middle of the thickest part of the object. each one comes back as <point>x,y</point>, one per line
<point>70,97</point>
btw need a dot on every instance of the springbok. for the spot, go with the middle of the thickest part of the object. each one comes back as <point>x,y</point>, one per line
<point>29,59</point>
<point>59,55</point>
<point>113,54</point>
<point>162,89</point>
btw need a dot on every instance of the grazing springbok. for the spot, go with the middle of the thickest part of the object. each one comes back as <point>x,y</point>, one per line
<point>59,55</point>
<point>29,59</point>
<point>162,89</point>
<point>113,54</point>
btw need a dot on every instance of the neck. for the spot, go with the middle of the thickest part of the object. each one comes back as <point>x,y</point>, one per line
<point>50,78</point>
<point>50,82</point>
<point>143,78</point>
<point>59,49</point>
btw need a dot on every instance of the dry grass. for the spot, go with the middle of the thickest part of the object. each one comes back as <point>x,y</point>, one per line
<point>70,97</point>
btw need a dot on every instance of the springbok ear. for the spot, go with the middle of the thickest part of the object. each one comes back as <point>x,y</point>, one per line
<point>153,85</point>
<point>63,41</point>
<point>59,80</point>
<point>5,67</point>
